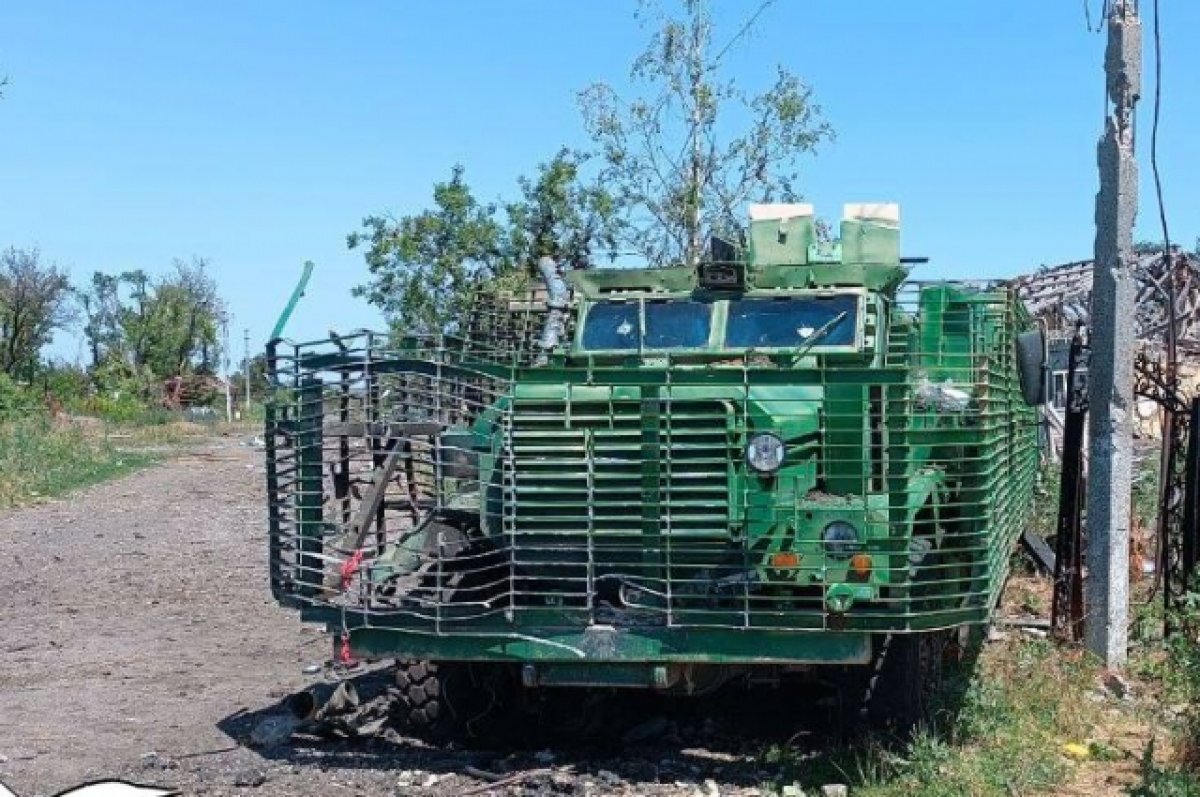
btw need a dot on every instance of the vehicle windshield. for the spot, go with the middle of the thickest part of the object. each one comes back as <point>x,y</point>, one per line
<point>790,322</point>
<point>670,324</point>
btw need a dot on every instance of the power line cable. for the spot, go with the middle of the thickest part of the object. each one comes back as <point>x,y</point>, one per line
<point>1162,213</point>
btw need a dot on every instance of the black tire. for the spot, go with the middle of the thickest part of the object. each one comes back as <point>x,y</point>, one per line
<point>447,701</point>
<point>465,569</point>
<point>907,694</point>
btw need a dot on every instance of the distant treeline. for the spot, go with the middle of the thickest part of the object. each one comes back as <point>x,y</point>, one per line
<point>143,334</point>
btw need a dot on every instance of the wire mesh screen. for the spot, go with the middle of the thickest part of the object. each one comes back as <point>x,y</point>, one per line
<point>457,485</point>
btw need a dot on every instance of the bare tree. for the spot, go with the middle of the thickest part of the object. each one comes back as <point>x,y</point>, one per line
<point>671,156</point>
<point>34,302</point>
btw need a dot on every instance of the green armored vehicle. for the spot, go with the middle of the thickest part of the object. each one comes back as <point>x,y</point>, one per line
<point>786,461</point>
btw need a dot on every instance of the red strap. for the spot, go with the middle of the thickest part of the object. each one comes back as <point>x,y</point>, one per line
<point>350,567</point>
<point>344,651</point>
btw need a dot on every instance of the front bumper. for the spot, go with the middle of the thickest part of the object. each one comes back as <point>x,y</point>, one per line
<point>600,644</point>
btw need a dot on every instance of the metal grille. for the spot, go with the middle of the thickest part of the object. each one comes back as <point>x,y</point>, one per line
<point>623,503</point>
<point>461,487</point>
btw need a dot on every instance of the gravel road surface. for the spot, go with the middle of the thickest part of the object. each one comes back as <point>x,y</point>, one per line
<point>140,642</point>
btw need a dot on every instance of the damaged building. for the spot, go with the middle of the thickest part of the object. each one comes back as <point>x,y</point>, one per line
<point>1060,297</point>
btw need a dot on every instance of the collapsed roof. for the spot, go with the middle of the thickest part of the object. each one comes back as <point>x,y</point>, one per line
<point>1062,295</point>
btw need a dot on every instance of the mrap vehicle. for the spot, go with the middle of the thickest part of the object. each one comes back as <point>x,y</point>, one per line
<point>787,461</point>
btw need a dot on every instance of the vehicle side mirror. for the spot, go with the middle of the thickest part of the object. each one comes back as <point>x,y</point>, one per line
<point>1031,366</point>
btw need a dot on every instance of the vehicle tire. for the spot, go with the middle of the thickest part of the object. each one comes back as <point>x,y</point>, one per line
<point>445,701</point>
<point>907,694</point>
<point>469,571</point>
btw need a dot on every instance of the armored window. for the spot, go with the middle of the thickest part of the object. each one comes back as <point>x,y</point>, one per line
<point>669,324</point>
<point>791,322</point>
<point>611,325</point>
<point>677,325</point>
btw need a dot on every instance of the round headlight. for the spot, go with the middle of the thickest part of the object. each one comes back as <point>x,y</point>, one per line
<point>764,452</point>
<point>841,539</point>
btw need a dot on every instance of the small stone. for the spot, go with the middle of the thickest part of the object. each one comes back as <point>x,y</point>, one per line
<point>792,790</point>
<point>996,635</point>
<point>250,778</point>
<point>155,760</point>
<point>1034,633</point>
<point>835,790</point>
<point>406,776</point>
<point>430,781</point>
<point>312,669</point>
<point>1117,685</point>
<point>609,777</point>
<point>711,789</point>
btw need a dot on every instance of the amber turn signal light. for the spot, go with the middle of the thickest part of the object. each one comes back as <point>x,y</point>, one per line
<point>860,565</point>
<point>785,559</point>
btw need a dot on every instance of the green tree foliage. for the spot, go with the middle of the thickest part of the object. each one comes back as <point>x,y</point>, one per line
<point>425,267</point>
<point>258,377</point>
<point>34,302</point>
<point>159,328</point>
<point>693,148</point>
<point>560,215</point>
<point>178,324</point>
<point>102,308</point>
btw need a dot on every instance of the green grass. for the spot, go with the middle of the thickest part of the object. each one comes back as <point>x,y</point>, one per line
<point>40,458</point>
<point>1173,665</point>
<point>1015,713</point>
<point>1165,781</point>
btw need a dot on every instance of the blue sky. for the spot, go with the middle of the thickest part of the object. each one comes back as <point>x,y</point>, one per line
<point>258,134</point>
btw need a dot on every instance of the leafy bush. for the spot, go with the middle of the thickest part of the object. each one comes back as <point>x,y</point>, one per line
<point>68,384</point>
<point>16,401</point>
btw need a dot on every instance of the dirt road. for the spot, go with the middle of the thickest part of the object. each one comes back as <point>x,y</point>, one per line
<point>135,618</point>
<point>140,641</point>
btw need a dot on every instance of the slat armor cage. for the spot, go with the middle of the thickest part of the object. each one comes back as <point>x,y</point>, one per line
<point>477,497</point>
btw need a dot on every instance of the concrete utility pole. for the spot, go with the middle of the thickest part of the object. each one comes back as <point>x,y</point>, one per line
<point>1110,378</point>
<point>228,380</point>
<point>246,368</point>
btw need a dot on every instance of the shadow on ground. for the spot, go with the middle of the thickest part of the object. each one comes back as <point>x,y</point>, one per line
<point>739,736</point>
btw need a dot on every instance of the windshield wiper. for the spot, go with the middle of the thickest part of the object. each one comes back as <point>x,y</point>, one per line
<point>812,339</point>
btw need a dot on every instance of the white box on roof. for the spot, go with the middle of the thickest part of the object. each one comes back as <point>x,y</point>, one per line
<point>780,211</point>
<point>887,212</point>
